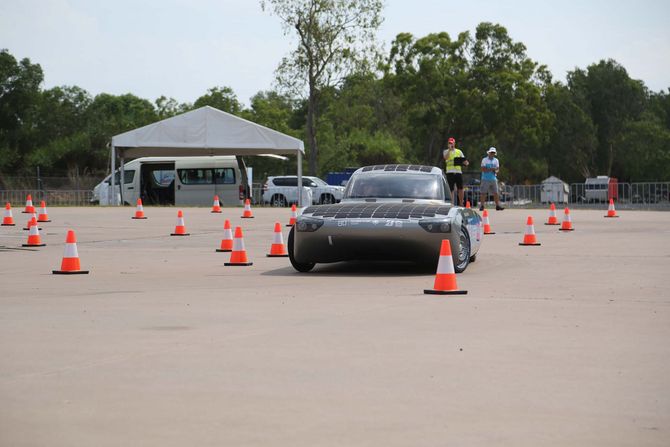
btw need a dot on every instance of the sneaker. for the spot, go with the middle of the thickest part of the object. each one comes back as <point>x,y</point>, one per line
<point>499,208</point>
<point>481,207</point>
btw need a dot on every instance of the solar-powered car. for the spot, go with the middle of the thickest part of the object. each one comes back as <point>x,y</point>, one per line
<point>388,212</point>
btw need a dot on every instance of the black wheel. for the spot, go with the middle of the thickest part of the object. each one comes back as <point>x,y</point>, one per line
<point>327,199</point>
<point>278,200</point>
<point>463,252</point>
<point>299,266</point>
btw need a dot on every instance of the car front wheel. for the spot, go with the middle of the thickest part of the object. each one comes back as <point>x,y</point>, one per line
<point>463,258</point>
<point>302,267</point>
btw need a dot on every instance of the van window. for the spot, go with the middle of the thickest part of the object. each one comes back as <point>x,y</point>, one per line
<point>224,176</point>
<point>128,177</point>
<point>195,176</point>
<point>162,177</point>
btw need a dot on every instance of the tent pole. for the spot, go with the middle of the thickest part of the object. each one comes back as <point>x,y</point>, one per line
<point>122,176</point>
<point>113,191</point>
<point>300,179</point>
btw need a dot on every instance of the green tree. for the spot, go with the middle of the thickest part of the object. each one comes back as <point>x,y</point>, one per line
<point>573,142</point>
<point>222,98</point>
<point>169,107</point>
<point>19,98</point>
<point>334,37</point>
<point>606,92</point>
<point>61,139</point>
<point>109,115</point>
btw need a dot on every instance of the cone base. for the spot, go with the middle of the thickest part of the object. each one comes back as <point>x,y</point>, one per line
<point>43,220</point>
<point>444,292</point>
<point>26,212</point>
<point>33,245</point>
<point>491,232</point>
<point>135,218</point>
<point>537,243</point>
<point>70,272</point>
<point>609,217</point>
<point>223,251</point>
<point>277,256</point>
<point>180,234</point>
<point>238,263</point>
<point>217,212</point>
<point>552,224</point>
<point>566,229</point>
<point>290,225</point>
<point>8,225</point>
<point>247,217</point>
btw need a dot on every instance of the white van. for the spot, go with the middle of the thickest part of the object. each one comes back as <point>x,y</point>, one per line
<point>176,181</point>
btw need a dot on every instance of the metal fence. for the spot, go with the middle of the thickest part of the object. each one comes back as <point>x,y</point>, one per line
<point>643,195</point>
<point>57,197</point>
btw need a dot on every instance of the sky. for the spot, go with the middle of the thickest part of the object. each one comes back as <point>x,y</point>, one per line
<point>181,48</point>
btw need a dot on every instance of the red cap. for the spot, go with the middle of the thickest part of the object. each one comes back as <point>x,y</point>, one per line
<point>451,140</point>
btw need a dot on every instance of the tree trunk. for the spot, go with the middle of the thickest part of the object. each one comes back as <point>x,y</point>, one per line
<point>311,131</point>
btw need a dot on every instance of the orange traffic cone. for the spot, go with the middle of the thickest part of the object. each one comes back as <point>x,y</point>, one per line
<point>247,210</point>
<point>566,225</point>
<point>139,211</point>
<point>31,221</point>
<point>43,217</point>
<point>487,225</point>
<point>445,278</point>
<point>29,205</point>
<point>180,229</point>
<point>216,207</point>
<point>278,249</point>
<point>227,241</point>
<point>529,238</point>
<point>239,255</point>
<point>611,212</point>
<point>34,239</point>
<point>553,220</point>
<point>70,264</point>
<point>294,216</point>
<point>8,220</point>
<point>467,204</point>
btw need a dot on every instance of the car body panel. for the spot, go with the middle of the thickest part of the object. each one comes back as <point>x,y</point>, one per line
<point>384,228</point>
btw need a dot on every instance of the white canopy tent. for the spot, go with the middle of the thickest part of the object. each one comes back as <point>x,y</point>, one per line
<point>202,132</point>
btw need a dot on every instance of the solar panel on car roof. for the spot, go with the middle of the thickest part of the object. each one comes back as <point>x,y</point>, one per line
<point>378,210</point>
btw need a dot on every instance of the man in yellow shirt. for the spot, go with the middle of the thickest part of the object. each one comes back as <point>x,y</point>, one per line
<point>454,159</point>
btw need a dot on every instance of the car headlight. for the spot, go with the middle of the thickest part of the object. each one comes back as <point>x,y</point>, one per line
<point>436,225</point>
<point>308,224</point>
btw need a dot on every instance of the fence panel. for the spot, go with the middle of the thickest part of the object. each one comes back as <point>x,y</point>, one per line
<point>56,197</point>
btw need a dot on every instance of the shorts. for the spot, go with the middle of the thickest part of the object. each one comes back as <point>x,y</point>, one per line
<point>488,187</point>
<point>455,178</point>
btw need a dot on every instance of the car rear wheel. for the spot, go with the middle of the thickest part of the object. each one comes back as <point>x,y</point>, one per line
<point>299,266</point>
<point>463,258</point>
<point>327,199</point>
<point>278,200</point>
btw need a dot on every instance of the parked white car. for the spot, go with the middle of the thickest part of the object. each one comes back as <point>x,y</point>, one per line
<point>283,191</point>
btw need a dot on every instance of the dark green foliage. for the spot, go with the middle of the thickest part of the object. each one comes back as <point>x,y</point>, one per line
<point>481,89</point>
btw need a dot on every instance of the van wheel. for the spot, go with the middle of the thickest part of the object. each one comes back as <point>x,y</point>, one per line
<point>278,200</point>
<point>327,199</point>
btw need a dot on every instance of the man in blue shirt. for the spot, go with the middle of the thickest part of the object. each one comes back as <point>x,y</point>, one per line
<point>489,184</point>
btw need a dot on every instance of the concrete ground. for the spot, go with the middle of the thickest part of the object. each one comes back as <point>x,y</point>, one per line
<point>161,345</point>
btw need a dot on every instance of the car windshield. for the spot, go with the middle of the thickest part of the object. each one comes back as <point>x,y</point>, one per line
<point>393,185</point>
<point>318,181</point>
